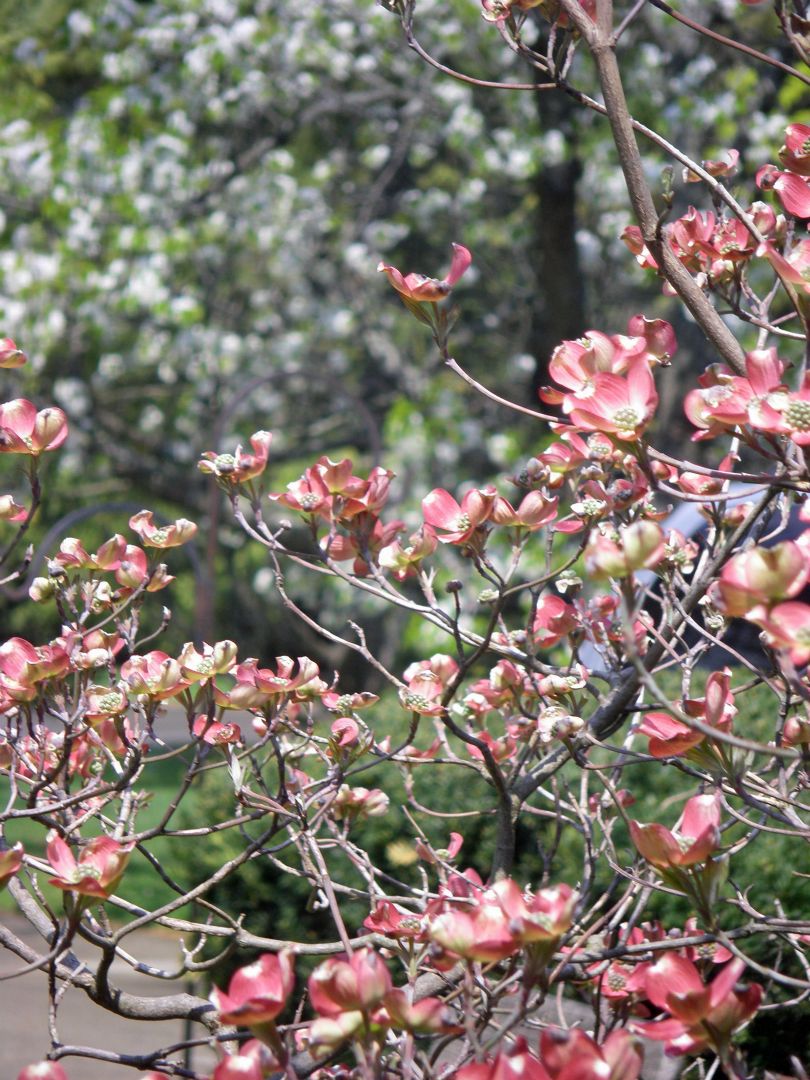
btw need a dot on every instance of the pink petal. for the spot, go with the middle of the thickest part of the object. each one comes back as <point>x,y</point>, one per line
<point>764,370</point>
<point>794,194</point>
<point>19,416</point>
<point>790,271</point>
<point>460,264</point>
<point>60,856</point>
<point>395,277</point>
<point>672,974</point>
<point>655,843</point>
<point>725,981</point>
<point>700,813</point>
<point>440,509</point>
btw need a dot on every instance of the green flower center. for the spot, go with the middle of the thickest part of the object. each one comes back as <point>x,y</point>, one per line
<point>590,507</point>
<point>598,449</point>
<point>415,702</point>
<point>81,872</point>
<point>678,556</point>
<point>797,415</point>
<point>627,418</point>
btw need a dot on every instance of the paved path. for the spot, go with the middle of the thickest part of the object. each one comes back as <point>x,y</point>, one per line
<point>24,1014</point>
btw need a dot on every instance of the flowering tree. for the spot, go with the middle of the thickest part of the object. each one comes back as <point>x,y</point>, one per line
<point>563,601</point>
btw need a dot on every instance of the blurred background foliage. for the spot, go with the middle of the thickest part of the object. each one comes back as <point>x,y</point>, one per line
<point>193,202</point>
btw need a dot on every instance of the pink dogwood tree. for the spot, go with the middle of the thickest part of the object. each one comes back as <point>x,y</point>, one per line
<point>562,598</point>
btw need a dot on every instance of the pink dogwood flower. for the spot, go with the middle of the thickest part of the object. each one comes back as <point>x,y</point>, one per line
<point>404,561</point>
<point>240,1066</point>
<point>11,859</point>
<point>793,190</point>
<point>574,1055</point>
<point>344,984</point>
<point>795,154</point>
<point>622,981</point>
<point>98,869</point>
<point>428,1016</point>
<point>701,1016</point>
<point>554,619</point>
<point>725,166</point>
<point>785,413</point>
<point>339,479</point>
<point>296,680</point>
<point>498,11</point>
<point>43,1070</point>
<point>102,702</point>
<point>542,916</point>
<point>500,749</point>
<point>155,675</point>
<point>368,536</point>
<point>258,992</point>
<point>796,731</point>
<point>161,536</point>
<point>575,364</point>
<point>481,932</point>
<point>691,236</point>
<point>72,554</point>
<point>217,659</point>
<point>516,1063</point>
<point>456,523</point>
<point>695,837</point>
<point>668,737</point>
<point>794,266</point>
<point>23,430</point>
<point>761,575</point>
<point>10,355</point>
<point>435,855</point>
<point>134,571</point>
<point>238,467</point>
<point>11,510</point>
<point>672,738</point>
<point>215,733</point>
<point>328,1034</point>
<point>308,495</point>
<point>621,405</point>
<point>388,919</point>
<point>787,628</point>
<point>420,288</point>
<point>424,693</point>
<point>359,803</point>
<point>709,950</point>
<point>636,546</point>
<point>535,511</point>
<point>658,335</point>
